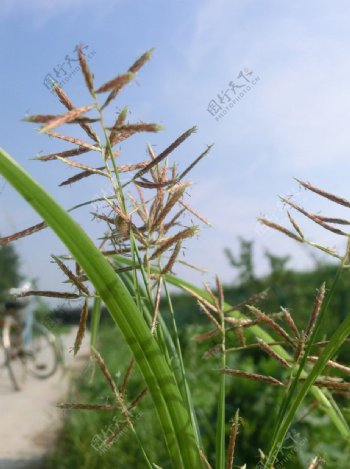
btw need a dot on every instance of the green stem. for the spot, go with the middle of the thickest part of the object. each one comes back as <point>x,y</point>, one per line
<point>220,424</point>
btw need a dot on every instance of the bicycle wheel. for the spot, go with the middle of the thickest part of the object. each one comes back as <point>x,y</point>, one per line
<point>43,360</point>
<point>15,359</point>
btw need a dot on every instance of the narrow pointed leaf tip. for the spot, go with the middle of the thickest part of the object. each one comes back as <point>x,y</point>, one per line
<point>56,121</point>
<point>88,76</point>
<point>141,61</point>
<point>117,83</point>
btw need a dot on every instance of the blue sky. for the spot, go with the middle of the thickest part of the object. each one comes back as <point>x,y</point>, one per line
<point>293,123</point>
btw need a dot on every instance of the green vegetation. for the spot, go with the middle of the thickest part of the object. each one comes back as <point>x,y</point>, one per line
<point>312,432</point>
<point>9,270</point>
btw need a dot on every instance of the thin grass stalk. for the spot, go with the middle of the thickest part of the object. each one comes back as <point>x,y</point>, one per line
<point>292,388</point>
<point>220,423</point>
<point>328,404</point>
<point>172,412</point>
<point>328,353</point>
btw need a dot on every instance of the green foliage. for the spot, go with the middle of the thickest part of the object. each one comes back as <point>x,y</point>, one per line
<point>9,270</point>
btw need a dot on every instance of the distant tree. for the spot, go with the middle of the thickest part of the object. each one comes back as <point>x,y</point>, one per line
<point>9,269</point>
<point>244,261</point>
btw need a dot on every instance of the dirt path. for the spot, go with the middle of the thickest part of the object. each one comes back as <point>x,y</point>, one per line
<point>29,419</point>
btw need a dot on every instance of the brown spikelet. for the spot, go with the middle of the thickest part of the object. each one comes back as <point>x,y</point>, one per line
<point>327,195</point>
<point>220,293</point>
<point>168,242</point>
<point>126,377</point>
<point>64,118</point>
<point>99,360</point>
<point>280,228</point>
<point>253,376</point>
<point>75,164</point>
<point>209,315</point>
<point>82,326</point>
<point>100,216</point>
<point>151,152</point>
<point>332,364</point>
<point>140,62</point>
<point>77,406</point>
<point>69,105</point>
<point>264,346</point>
<point>23,233</point>
<point>116,84</point>
<point>268,320</point>
<point>242,323</point>
<point>120,121</point>
<point>173,221</point>
<point>166,152</point>
<point>290,322</point>
<point>131,167</point>
<point>84,120</point>
<point>194,212</point>
<point>63,154</point>
<point>154,211</point>
<point>316,310</point>
<point>170,264</point>
<point>195,162</point>
<point>152,185</point>
<point>134,128</point>
<point>299,350</point>
<point>232,443</point>
<point>120,427</point>
<point>252,299</point>
<point>51,294</point>
<point>295,225</point>
<point>76,141</point>
<point>73,278</point>
<point>88,76</point>
<point>178,192</point>
<point>212,296</point>
<point>138,398</point>
<point>314,218</point>
<point>193,266</point>
<point>213,351</point>
<point>207,335</point>
<point>119,137</point>
<point>201,299</point>
<point>78,177</point>
<point>337,221</point>
<point>330,384</point>
<point>240,337</point>
<point>40,118</point>
<point>138,207</point>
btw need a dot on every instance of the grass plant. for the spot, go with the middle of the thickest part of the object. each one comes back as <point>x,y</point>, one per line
<point>148,221</point>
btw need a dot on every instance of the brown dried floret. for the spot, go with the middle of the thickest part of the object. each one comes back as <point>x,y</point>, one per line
<point>81,327</point>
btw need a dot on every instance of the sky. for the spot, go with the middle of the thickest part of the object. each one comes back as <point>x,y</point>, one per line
<point>292,122</point>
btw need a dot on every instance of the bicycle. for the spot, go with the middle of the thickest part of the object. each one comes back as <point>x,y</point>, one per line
<point>41,360</point>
